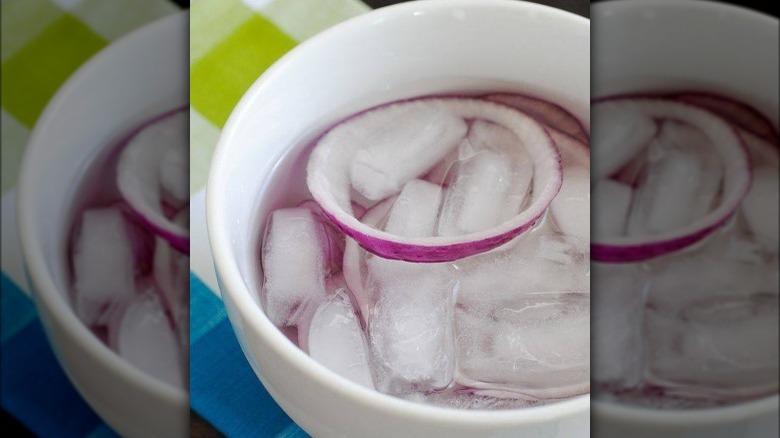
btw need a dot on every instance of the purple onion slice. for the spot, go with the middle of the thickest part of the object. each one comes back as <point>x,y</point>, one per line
<point>151,176</point>
<point>332,173</point>
<point>727,145</point>
<point>547,113</point>
<point>737,113</point>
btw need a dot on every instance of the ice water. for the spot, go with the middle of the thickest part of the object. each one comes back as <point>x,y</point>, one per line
<point>697,327</point>
<point>505,329</point>
<point>128,284</point>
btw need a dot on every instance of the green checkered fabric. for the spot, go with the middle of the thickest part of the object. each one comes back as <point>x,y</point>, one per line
<point>232,42</point>
<point>43,43</point>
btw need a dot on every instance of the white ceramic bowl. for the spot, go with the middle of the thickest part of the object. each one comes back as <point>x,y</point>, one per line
<point>668,45</point>
<point>136,78</point>
<point>416,48</point>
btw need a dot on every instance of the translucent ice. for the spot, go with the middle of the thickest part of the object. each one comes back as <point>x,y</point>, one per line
<point>619,134</point>
<point>147,340</point>
<point>410,326</point>
<point>571,207</point>
<point>611,203</point>
<point>679,182</point>
<point>293,265</point>
<point>442,173</point>
<point>354,270</point>
<point>729,262</point>
<point>102,262</point>
<point>171,277</point>
<point>761,205</point>
<point>485,135</point>
<point>477,199</point>
<point>415,210</point>
<point>541,262</point>
<point>722,345</point>
<point>712,320</point>
<point>332,240</point>
<point>336,339</point>
<point>398,144</point>
<point>681,136</point>
<point>619,295</point>
<point>534,344</point>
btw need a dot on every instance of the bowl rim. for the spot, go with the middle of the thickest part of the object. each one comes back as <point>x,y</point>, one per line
<point>232,284</point>
<point>609,6</point>
<point>48,299</point>
<point>713,415</point>
<point>686,418</point>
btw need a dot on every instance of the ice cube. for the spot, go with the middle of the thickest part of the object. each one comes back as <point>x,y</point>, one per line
<point>102,262</point>
<point>410,326</point>
<point>683,136</point>
<point>171,277</point>
<point>619,133</point>
<point>354,270</point>
<point>761,206</point>
<point>293,265</point>
<point>712,319</point>
<point>485,135</point>
<point>492,136</point>
<point>146,340</point>
<point>617,311</point>
<point>441,173</point>
<point>669,190</point>
<point>399,144</point>
<point>415,210</point>
<point>727,261</point>
<point>336,340</point>
<point>571,207</point>
<point>332,246</point>
<point>535,344</point>
<point>477,199</point>
<point>721,345</point>
<point>540,261</point>
<point>611,203</point>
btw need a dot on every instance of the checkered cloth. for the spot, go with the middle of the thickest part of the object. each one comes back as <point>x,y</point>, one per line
<point>43,43</point>
<point>231,43</point>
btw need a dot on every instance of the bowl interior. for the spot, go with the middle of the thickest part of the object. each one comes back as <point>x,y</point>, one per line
<point>407,51</point>
<point>413,49</point>
<point>664,45</point>
<point>127,84</point>
<point>668,45</point>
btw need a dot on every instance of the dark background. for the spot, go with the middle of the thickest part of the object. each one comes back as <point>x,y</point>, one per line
<point>765,6</point>
<point>581,7</point>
